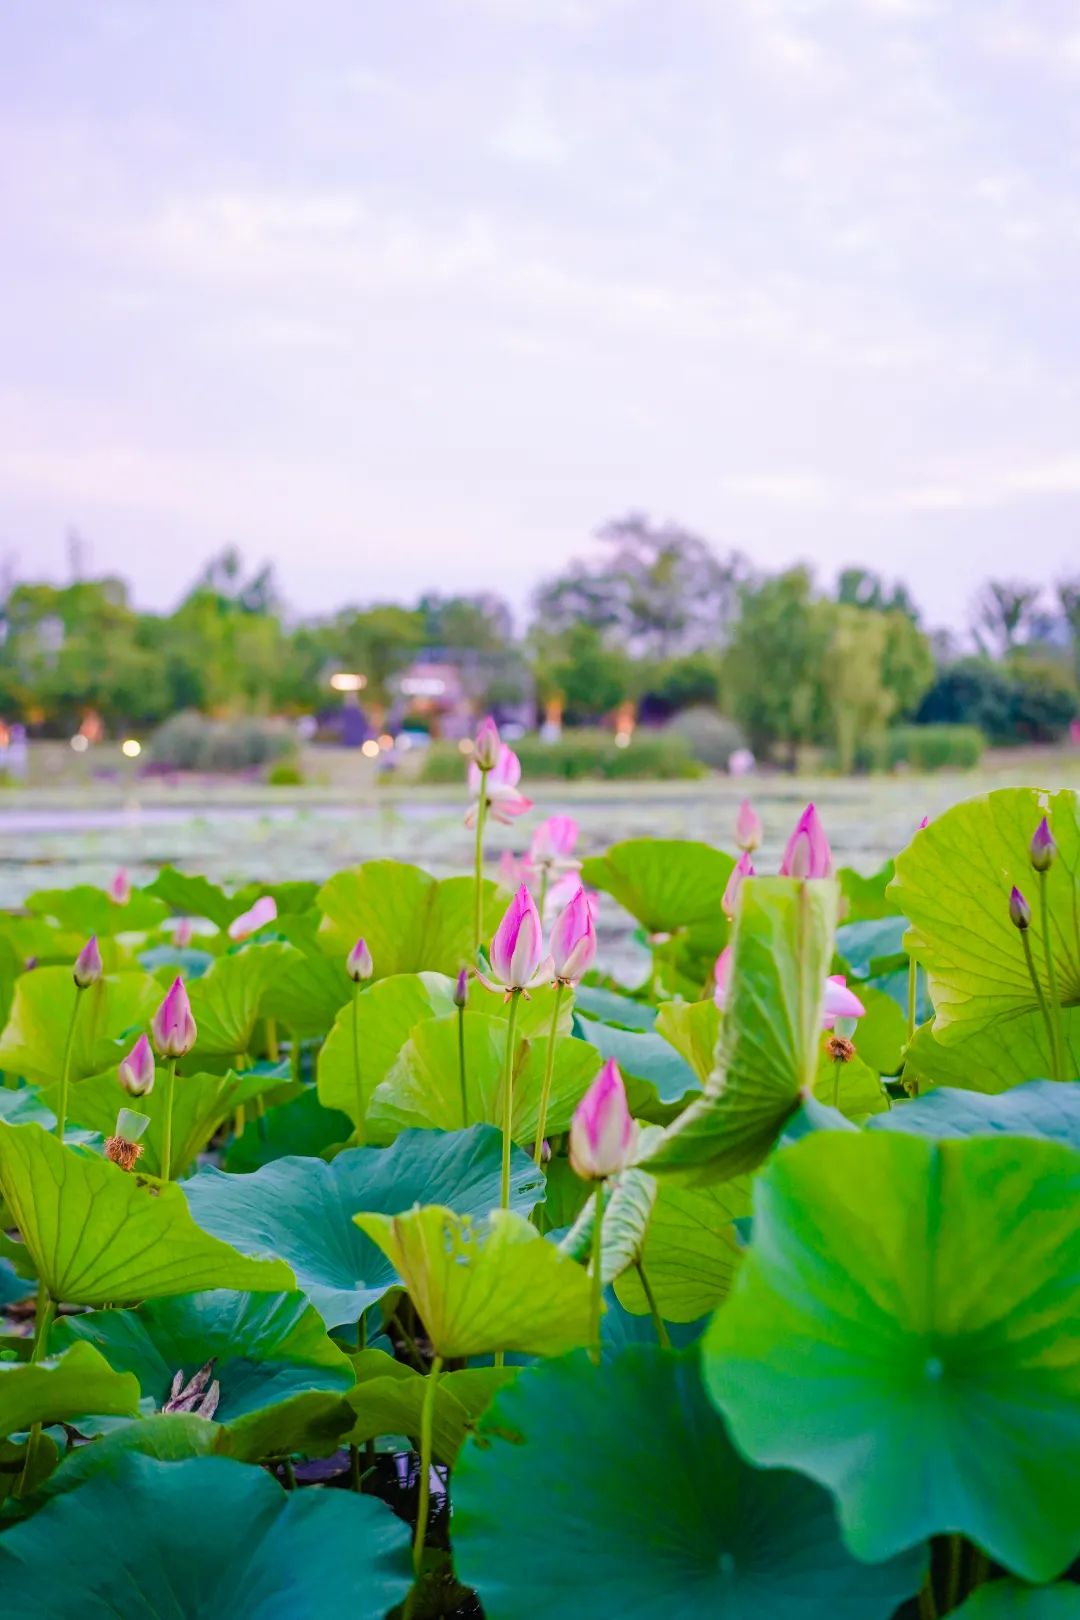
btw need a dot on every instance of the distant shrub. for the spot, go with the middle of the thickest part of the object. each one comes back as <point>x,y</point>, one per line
<point>286,773</point>
<point>580,755</point>
<point>193,742</point>
<point>710,736</point>
<point>1031,700</point>
<point>934,748</point>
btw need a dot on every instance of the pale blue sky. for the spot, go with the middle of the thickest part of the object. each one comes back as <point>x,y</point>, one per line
<point>416,294</point>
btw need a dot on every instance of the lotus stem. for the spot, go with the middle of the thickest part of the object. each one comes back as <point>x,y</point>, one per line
<point>1039,995</point>
<point>911,1082</point>
<point>46,1307</point>
<point>65,1067</point>
<point>461,1067</point>
<point>508,1099</point>
<point>549,1070</point>
<point>423,1500</point>
<point>273,1050</point>
<point>166,1138</point>
<point>478,902</point>
<point>662,1335</point>
<point>596,1271</point>
<point>356,1068</point>
<point>1057,1044</point>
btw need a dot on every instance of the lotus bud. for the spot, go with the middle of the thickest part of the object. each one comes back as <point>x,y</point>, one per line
<point>554,840</point>
<point>120,887</point>
<point>249,922</point>
<point>925,822</point>
<point>839,1002</point>
<point>722,976</point>
<point>136,1071</point>
<point>1019,910</point>
<point>172,1026</point>
<point>183,933</point>
<point>87,968</point>
<point>807,853</point>
<point>518,945</point>
<point>602,1133</point>
<point>487,744</point>
<point>743,868</point>
<point>1043,849</point>
<point>748,829</point>
<point>573,940</point>
<point>461,990</point>
<point>358,963</point>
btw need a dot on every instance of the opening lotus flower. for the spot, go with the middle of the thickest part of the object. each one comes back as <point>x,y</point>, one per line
<point>136,1071</point>
<point>249,922</point>
<point>807,853</point>
<point>87,968</point>
<point>554,841</point>
<point>172,1027</point>
<point>487,744</point>
<point>743,868</point>
<point>500,786</point>
<point>517,950</point>
<point>748,829</point>
<point>120,886</point>
<point>602,1133</point>
<point>573,940</point>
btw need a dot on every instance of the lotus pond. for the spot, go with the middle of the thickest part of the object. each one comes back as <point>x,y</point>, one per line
<point>389,1245</point>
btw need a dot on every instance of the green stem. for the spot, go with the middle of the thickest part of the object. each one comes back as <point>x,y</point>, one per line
<point>478,913</point>
<point>980,1568</point>
<point>360,1110</point>
<point>911,1085</point>
<point>1058,1044</point>
<point>423,1501</point>
<point>273,1050</point>
<point>508,1098</point>
<point>955,1569</point>
<point>295,1058</point>
<point>1036,985</point>
<point>836,1084</point>
<point>290,1473</point>
<point>549,1070</point>
<point>654,1309</point>
<point>166,1139</point>
<point>46,1309</point>
<point>461,1067</point>
<point>596,1272</point>
<point>927,1605</point>
<point>545,873</point>
<point>65,1067</point>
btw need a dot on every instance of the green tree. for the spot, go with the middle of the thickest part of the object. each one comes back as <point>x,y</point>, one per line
<point>578,667</point>
<point>772,669</point>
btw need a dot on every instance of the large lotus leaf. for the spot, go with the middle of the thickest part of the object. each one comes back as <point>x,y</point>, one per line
<point>864,898</point>
<point>200,1538</point>
<point>869,949</point>
<point>302,1209</point>
<point>609,1007</point>
<point>301,1126</point>
<point>388,1398</point>
<point>658,1077</point>
<point>13,1288</point>
<point>484,1285</point>
<point>904,1329</point>
<point>202,1102</point>
<point>423,1088</point>
<point>880,1036</point>
<point>1009,1600</point>
<point>1005,1053</point>
<point>412,922</point>
<point>666,883</point>
<point>51,1391</point>
<point>369,1032</point>
<point>309,990</point>
<point>85,910</point>
<point>629,1203</point>
<point>99,1236</point>
<point>227,1002</point>
<point>698,1532</point>
<point>693,1029</point>
<point>953,883</point>
<point>769,1036</point>
<point>1040,1108</point>
<point>854,1088</point>
<point>32,1045</point>
<point>191,895</point>
<point>691,1249</point>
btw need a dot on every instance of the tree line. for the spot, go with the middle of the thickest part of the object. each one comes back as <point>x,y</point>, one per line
<point>659,619</point>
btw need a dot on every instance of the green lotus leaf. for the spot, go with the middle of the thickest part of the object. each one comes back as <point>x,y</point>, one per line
<point>369,1032</point>
<point>412,922</point>
<point>666,883</point>
<point>869,949</point>
<point>52,1391</point>
<point>866,898</point>
<point>188,894</point>
<point>1009,1600</point>
<point>85,910</point>
<point>903,1330</point>
<point>854,1088</point>
<point>202,1537</point>
<point>698,1532</point>
<point>1007,1052</point>
<point>769,1036</point>
<point>423,1087</point>
<point>657,1076</point>
<point>227,1002</point>
<point>609,1007</point>
<point>13,1288</point>
<point>693,1029</point>
<point>1040,1108</point>
<point>302,1209</point>
<point>301,1127</point>
<point>953,883</point>
<point>98,1236</point>
<point>310,988</point>
<point>880,1036</point>
<point>388,1398</point>
<point>630,1199</point>
<point>691,1250</point>
<point>487,1284</point>
<point>32,1045</point>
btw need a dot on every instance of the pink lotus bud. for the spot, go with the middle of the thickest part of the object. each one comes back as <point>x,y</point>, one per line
<point>743,868</point>
<point>487,745</point>
<point>136,1071</point>
<point>722,976</point>
<point>807,854</point>
<point>1019,910</point>
<point>461,989</point>
<point>172,1026</point>
<point>518,946</point>
<point>1043,849</point>
<point>183,933</point>
<point>554,840</point>
<point>87,968</point>
<point>602,1133</point>
<point>358,963</point>
<point>500,789</point>
<point>925,822</point>
<point>120,887</point>
<point>573,940</point>
<point>748,829</point>
<point>249,922</point>
<point>839,1002</point>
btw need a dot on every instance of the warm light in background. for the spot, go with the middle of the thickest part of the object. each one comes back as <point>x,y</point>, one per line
<point>386,741</point>
<point>465,746</point>
<point>80,743</point>
<point>370,749</point>
<point>130,748</point>
<point>344,680</point>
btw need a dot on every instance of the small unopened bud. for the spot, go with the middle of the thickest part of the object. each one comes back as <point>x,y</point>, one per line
<point>923,824</point>
<point>173,1026</point>
<point>120,886</point>
<point>602,1133</point>
<point>183,933</point>
<point>136,1071</point>
<point>1043,850</point>
<point>1019,910</point>
<point>461,989</point>
<point>87,968</point>
<point>358,963</point>
<point>487,744</point>
<point>840,1049</point>
<point>748,829</point>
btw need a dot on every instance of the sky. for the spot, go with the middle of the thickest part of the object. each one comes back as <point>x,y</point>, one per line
<point>408,296</point>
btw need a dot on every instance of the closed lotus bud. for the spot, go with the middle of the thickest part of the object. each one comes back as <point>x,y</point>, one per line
<point>487,744</point>
<point>461,989</point>
<point>183,933</point>
<point>1043,849</point>
<point>925,822</point>
<point>136,1071</point>
<point>518,945</point>
<point>748,829</point>
<point>172,1026</point>
<point>249,922</point>
<point>573,940</point>
<point>87,968</point>
<point>743,868</point>
<point>358,963</point>
<point>1019,910</point>
<point>602,1133</point>
<point>120,887</point>
<point>807,853</point>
